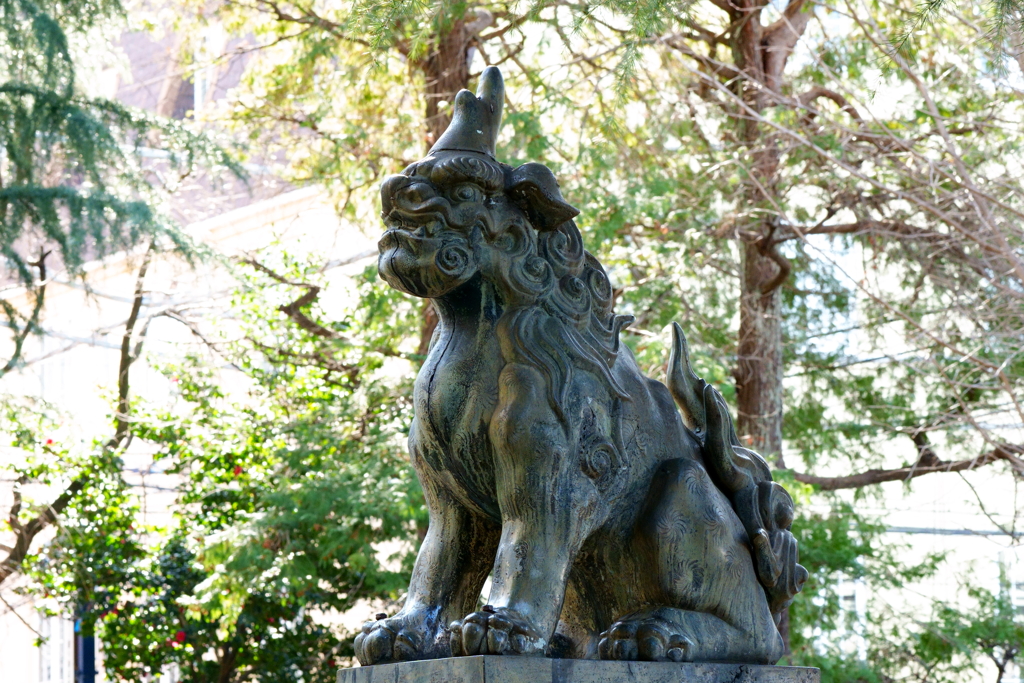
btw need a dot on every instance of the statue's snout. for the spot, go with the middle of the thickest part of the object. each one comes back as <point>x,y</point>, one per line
<point>390,189</point>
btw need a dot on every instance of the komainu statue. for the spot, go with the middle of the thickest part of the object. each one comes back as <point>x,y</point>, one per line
<point>612,525</point>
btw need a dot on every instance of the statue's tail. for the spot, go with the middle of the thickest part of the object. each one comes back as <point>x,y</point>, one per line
<point>763,506</point>
<point>686,387</point>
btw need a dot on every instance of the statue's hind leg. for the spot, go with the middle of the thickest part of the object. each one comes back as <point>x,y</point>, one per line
<point>712,606</point>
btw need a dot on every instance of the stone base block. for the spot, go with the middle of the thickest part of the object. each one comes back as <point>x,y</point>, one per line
<point>491,669</point>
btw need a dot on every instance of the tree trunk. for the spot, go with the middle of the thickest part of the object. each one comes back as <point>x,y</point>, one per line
<point>759,364</point>
<point>758,372</point>
<point>446,72</point>
<point>760,52</point>
<point>784,632</point>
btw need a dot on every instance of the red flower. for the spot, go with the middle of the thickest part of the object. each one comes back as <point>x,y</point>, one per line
<point>49,442</point>
<point>238,470</point>
<point>180,636</point>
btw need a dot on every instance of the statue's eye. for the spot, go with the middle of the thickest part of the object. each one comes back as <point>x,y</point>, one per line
<point>466,192</point>
<point>416,193</point>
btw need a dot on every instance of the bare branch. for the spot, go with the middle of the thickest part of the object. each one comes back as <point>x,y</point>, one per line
<point>862,227</point>
<point>704,34</point>
<point>294,309</point>
<point>10,608</point>
<point>121,423</point>
<point>26,533</point>
<point>1004,452</point>
<point>12,517</point>
<point>497,33</point>
<point>768,247</point>
<point>308,18</point>
<point>818,91</point>
<point>31,322</point>
<point>314,359</point>
<point>785,268</point>
<point>779,39</point>
<point>713,67</point>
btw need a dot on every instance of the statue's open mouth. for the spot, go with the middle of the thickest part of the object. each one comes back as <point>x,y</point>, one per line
<point>421,265</point>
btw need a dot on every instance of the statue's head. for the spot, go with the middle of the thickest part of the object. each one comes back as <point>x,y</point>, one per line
<point>459,212</point>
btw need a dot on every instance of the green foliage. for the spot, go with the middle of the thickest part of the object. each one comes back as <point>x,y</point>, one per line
<point>339,89</point>
<point>841,548</point>
<point>91,559</point>
<point>296,501</point>
<point>954,640</point>
<point>160,624</point>
<point>296,498</point>
<point>957,639</point>
<point>72,174</point>
<point>82,570</point>
<point>1003,20</point>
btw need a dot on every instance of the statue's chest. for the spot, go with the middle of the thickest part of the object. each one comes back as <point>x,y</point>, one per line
<point>456,395</point>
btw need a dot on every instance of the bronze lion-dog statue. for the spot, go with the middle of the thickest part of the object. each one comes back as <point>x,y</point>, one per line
<point>611,526</point>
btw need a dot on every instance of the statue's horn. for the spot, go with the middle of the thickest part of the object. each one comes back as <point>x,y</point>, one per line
<point>476,119</point>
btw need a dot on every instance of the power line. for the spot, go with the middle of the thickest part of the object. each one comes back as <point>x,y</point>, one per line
<point>943,532</point>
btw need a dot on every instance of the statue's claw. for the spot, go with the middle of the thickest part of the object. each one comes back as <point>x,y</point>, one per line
<point>494,631</point>
<point>391,640</point>
<point>650,639</point>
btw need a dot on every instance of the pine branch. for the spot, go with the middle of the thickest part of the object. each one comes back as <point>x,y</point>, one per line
<point>308,17</point>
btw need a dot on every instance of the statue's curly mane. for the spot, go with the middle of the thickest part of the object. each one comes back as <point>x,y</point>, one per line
<point>559,299</point>
<point>571,320</point>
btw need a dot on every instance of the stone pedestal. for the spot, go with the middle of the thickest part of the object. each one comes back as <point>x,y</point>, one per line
<point>491,669</point>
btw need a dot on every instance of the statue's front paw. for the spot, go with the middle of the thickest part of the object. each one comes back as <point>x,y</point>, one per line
<point>400,638</point>
<point>646,638</point>
<point>495,631</point>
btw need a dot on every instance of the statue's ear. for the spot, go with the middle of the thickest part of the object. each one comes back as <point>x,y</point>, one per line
<point>535,190</point>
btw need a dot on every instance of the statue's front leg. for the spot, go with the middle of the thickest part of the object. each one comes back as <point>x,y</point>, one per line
<point>548,508</point>
<point>450,570</point>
